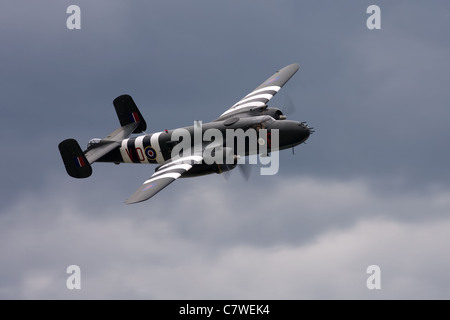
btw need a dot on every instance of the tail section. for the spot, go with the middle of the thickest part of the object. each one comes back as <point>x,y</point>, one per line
<point>75,161</point>
<point>78,163</point>
<point>128,112</point>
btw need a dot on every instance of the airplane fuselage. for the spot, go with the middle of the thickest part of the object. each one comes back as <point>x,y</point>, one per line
<point>249,127</point>
<point>158,147</point>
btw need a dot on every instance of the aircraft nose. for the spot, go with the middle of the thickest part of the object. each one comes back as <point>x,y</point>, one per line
<point>303,131</point>
<point>292,133</point>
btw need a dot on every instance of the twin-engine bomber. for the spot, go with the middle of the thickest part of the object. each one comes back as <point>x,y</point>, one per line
<point>249,127</point>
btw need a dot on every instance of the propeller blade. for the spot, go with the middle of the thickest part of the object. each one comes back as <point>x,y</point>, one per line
<point>226,175</point>
<point>289,106</point>
<point>245,170</point>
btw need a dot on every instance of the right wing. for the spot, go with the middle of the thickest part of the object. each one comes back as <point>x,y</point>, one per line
<point>263,93</point>
<point>164,175</point>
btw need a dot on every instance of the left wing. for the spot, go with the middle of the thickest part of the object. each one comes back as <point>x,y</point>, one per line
<point>164,175</point>
<point>259,97</point>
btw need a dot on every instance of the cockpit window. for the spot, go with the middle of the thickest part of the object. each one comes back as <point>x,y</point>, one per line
<point>93,142</point>
<point>267,121</point>
<point>262,122</point>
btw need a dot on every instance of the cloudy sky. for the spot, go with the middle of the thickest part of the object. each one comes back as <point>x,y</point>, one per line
<point>371,186</point>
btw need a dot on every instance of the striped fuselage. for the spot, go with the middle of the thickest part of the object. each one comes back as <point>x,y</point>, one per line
<point>157,147</point>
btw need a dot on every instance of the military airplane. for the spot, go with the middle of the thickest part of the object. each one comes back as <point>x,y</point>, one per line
<point>199,156</point>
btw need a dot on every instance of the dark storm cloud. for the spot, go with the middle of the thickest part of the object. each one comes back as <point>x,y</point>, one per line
<point>377,165</point>
<point>229,251</point>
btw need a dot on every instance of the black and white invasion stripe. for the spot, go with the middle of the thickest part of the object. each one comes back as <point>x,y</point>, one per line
<point>256,98</point>
<point>164,175</point>
<point>175,168</point>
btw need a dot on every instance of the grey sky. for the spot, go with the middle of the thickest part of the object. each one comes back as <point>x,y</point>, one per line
<point>370,187</point>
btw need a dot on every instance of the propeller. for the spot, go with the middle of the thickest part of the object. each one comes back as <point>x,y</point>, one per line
<point>289,106</point>
<point>226,175</point>
<point>245,170</point>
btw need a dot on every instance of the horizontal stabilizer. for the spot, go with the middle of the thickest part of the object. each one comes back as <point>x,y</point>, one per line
<point>75,161</point>
<point>112,141</point>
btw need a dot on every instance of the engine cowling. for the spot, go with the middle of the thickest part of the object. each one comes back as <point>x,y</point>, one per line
<point>216,160</point>
<point>275,113</point>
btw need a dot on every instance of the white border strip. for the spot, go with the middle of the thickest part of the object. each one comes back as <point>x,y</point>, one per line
<point>183,166</point>
<point>173,175</point>
<point>154,142</point>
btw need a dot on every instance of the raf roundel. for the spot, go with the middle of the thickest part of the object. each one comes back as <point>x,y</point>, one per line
<point>147,187</point>
<point>273,79</point>
<point>150,153</point>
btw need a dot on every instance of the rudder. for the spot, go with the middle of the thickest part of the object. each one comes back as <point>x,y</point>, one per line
<point>75,161</point>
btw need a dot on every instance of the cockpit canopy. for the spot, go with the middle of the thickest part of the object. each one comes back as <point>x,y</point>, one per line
<point>263,122</point>
<point>93,141</point>
<point>259,122</point>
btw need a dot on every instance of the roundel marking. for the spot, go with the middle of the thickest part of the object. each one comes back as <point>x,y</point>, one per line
<point>273,79</point>
<point>150,153</point>
<point>148,187</point>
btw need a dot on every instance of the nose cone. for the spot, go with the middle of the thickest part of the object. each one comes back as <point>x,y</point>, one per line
<point>291,133</point>
<point>303,132</point>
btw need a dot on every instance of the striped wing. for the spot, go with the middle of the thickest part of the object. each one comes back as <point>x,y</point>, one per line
<point>164,175</point>
<point>262,94</point>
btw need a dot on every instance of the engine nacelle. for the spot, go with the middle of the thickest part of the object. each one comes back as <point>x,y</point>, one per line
<point>204,169</point>
<point>275,113</point>
<point>216,160</point>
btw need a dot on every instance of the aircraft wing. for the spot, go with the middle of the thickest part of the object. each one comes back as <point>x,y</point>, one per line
<point>262,94</point>
<point>164,175</point>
